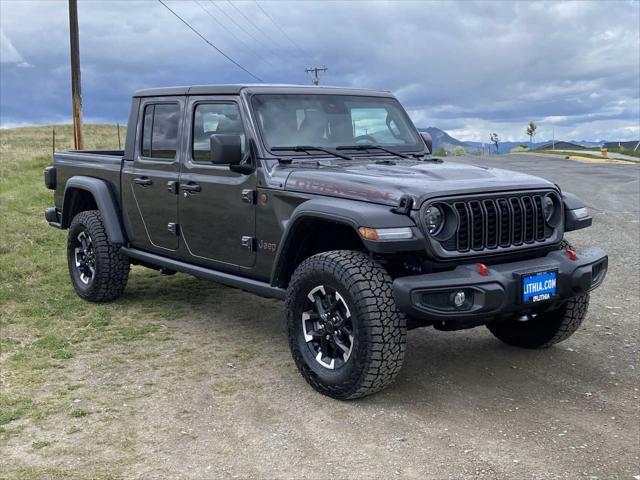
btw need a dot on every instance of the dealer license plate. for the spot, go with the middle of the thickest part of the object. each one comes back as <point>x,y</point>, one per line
<point>538,287</point>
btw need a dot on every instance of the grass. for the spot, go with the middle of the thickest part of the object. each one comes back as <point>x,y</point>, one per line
<point>40,444</point>
<point>44,326</point>
<point>626,151</point>
<point>590,152</point>
<point>593,154</point>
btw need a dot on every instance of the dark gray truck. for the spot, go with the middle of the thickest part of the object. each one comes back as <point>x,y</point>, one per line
<point>330,199</point>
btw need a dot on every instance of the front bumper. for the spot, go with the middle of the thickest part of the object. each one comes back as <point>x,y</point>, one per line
<point>429,298</point>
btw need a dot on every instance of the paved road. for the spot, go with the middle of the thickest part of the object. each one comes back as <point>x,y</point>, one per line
<point>606,188</point>
<point>620,156</point>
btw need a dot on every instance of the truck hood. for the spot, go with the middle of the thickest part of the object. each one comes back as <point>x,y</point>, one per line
<point>387,183</point>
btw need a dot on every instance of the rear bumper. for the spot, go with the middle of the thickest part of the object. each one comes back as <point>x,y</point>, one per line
<point>53,216</point>
<point>429,297</point>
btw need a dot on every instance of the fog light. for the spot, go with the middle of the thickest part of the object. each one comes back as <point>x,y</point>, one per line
<point>459,299</point>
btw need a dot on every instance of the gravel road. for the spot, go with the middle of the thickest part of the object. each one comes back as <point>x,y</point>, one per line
<point>464,405</point>
<point>221,398</point>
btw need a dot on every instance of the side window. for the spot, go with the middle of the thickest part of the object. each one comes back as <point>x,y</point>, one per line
<point>147,126</point>
<point>160,130</point>
<point>210,118</point>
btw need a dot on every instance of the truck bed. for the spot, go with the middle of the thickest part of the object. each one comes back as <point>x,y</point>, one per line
<point>104,164</point>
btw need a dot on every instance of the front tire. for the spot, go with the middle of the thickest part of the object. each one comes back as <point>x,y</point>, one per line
<point>98,270</point>
<point>547,328</point>
<point>346,335</point>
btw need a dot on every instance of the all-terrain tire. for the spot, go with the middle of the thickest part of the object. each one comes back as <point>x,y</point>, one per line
<point>379,329</point>
<point>110,266</point>
<point>547,328</point>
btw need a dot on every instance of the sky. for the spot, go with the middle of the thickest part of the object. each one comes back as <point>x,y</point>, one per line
<point>470,68</point>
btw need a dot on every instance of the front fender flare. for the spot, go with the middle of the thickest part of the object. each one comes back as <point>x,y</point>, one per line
<point>576,215</point>
<point>352,213</point>
<point>105,200</point>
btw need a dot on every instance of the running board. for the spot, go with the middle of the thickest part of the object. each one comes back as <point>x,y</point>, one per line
<point>262,289</point>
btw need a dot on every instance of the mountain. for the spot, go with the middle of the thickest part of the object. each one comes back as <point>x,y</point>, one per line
<point>503,147</point>
<point>442,139</point>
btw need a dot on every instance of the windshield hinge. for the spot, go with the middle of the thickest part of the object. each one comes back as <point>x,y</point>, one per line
<point>404,205</point>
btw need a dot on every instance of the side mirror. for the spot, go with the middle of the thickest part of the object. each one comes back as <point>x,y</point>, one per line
<point>426,137</point>
<point>226,149</point>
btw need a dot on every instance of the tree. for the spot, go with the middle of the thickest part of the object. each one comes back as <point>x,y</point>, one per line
<point>495,140</point>
<point>531,131</point>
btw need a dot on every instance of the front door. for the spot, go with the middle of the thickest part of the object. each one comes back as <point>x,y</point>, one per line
<point>148,180</point>
<point>216,206</point>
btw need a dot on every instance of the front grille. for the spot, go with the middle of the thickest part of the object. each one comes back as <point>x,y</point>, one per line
<point>500,221</point>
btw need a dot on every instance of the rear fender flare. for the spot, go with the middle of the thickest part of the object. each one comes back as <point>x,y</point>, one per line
<point>105,200</point>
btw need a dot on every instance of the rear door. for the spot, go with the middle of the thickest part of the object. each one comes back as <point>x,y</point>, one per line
<point>216,205</point>
<point>149,180</point>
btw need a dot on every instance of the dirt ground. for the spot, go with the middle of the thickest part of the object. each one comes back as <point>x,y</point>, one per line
<point>215,394</point>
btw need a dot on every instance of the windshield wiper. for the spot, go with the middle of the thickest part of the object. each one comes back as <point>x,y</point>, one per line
<point>307,148</point>
<point>370,147</point>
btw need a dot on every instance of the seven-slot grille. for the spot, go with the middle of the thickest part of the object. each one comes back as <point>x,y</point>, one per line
<point>501,221</point>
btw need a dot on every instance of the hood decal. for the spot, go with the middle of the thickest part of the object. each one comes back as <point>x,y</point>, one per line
<point>386,184</point>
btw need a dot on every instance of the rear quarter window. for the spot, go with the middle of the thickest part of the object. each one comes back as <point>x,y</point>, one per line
<point>160,130</point>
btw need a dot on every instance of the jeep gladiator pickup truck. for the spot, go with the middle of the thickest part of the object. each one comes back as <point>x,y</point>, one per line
<point>330,199</point>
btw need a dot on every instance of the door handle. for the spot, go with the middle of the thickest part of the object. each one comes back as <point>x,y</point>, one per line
<point>144,181</point>
<point>190,187</point>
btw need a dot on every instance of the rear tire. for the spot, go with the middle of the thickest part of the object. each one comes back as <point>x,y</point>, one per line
<point>98,270</point>
<point>547,328</point>
<point>357,347</point>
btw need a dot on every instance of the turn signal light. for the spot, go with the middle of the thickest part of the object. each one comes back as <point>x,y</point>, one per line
<point>369,233</point>
<point>398,233</point>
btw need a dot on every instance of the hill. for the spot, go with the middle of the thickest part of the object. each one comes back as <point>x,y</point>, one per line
<point>560,146</point>
<point>624,145</point>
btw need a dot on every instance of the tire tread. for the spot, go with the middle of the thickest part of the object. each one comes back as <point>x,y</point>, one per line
<point>112,267</point>
<point>370,286</point>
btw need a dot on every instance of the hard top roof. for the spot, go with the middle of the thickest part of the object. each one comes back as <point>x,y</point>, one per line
<point>256,88</point>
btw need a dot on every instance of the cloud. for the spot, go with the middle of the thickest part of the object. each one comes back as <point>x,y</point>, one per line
<point>468,67</point>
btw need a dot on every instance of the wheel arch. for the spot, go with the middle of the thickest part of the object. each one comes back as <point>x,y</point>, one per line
<point>325,224</point>
<point>83,193</point>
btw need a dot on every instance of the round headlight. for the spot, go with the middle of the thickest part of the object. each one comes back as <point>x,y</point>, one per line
<point>433,219</point>
<point>548,208</point>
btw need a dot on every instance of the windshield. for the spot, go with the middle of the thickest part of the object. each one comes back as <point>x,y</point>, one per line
<point>290,120</point>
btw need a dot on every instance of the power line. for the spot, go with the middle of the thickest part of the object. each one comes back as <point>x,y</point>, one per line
<point>315,70</point>
<point>278,27</point>
<point>208,42</point>
<point>241,27</point>
<point>230,32</point>
<point>254,25</point>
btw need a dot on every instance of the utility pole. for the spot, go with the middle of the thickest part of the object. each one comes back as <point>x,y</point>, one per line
<point>553,138</point>
<point>76,94</point>
<point>315,79</point>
